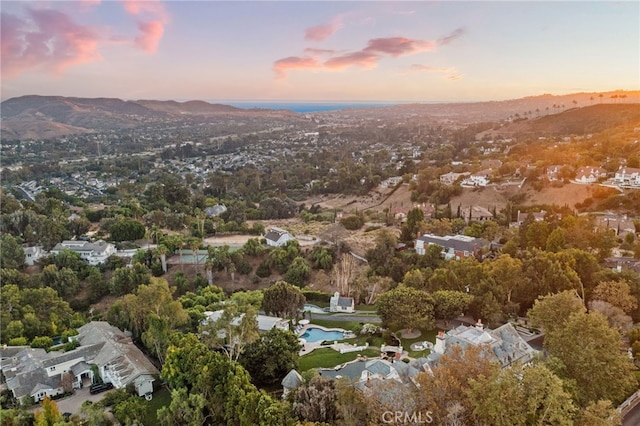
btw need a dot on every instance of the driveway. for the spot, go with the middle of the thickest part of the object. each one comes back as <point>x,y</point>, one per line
<point>71,404</point>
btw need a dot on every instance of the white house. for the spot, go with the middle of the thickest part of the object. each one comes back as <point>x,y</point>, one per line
<point>589,174</point>
<point>477,179</point>
<point>33,254</point>
<point>277,237</point>
<point>453,246</point>
<point>103,348</point>
<point>451,177</point>
<point>341,304</point>
<point>627,176</point>
<point>92,253</point>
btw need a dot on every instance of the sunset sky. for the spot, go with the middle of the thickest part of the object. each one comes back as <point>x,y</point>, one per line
<point>318,51</point>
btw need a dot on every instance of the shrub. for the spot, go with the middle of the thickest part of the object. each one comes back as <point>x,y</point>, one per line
<point>18,341</point>
<point>43,342</point>
<point>352,223</point>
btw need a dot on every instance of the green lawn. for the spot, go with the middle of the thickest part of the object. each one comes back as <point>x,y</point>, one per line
<point>429,335</point>
<point>327,358</point>
<point>347,325</point>
<point>367,308</point>
<point>161,398</point>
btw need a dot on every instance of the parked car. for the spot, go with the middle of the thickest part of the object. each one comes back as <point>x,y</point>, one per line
<point>100,387</point>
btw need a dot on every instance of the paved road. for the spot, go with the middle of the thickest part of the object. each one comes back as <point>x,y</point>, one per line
<point>633,417</point>
<point>348,317</point>
<point>71,404</point>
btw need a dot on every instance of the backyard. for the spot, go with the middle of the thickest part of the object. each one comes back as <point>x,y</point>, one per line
<point>327,358</point>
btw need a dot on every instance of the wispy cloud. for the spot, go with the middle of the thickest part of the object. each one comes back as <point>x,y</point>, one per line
<point>323,31</point>
<point>365,58</point>
<point>46,39</point>
<point>451,37</point>
<point>282,66</point>
<point>152,18</point>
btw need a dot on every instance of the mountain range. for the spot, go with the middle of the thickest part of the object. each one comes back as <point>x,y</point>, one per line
<point>42,117</point>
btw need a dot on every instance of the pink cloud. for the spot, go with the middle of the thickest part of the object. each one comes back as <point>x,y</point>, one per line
<point>282,66</point>
<point>154,17</point>
<point>368,57</point>
<point>454,77</point>
<point>314,51</point>
<point>451,37</point>
<point>398,46</point>
<point>149,36</point>
<point>323,31</point>
<point>362,59</point>
<point>49,40</point>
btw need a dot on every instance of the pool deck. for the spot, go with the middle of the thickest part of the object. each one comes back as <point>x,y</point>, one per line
<point>308,347</point>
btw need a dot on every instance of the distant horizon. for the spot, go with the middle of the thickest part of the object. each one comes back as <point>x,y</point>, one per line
<point>328,101</point>
<point>271,51</point>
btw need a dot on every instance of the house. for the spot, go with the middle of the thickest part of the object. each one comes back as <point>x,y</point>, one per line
<point>341,304</point>
<point>451,177</point>
<point>33,254</point>
<point>291,381</point>
<point>506,345</point>
<point>476,213</point>
<point>92,253</point>
<point>481,178</point>
<point>552,172</point>
<point>216,210</point>
<point>627,176</point>
<point>35,373</point>
<point>453,246</point>
<point>277,237</point>
<point>586,175</point>
<point>537,216</point>
<point>264,322</point>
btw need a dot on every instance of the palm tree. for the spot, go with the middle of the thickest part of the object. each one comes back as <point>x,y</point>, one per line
<point>179,243</point>
<point>208,267</point>
<point>195,245</point>
<point>162,251</point>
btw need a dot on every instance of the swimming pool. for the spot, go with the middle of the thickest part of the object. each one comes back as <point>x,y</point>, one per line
<point>313,334</point>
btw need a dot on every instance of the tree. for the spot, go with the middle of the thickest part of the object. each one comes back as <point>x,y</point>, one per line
<point>507,274</point>
<point>556,241</point>
<point>283,299</point>
<point>49,416</point>
<point>11,252</point>
<point>616,316</point>
<point>271,357</point>
<point>617,293</point>
<point>233,331</point>
<point>380,256</point>
<point>316,401</point>
<point>522,395</point>
<point>450,304</point>
<point>406,307</point>
<point>585,351</point>
<point>599,413</point>
<point>162,251</point>
<point>321,258</point>
<point>553,311</point>
<point>344,273</point>
<point>185,408</point>
<point>297,272</point>
<point>445,392</point>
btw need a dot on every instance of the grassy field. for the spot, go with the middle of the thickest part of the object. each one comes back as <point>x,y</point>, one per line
<point>161,398</point>
<point>327,358</point>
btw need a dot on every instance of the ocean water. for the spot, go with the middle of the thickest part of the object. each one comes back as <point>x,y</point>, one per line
<point>303,107</point>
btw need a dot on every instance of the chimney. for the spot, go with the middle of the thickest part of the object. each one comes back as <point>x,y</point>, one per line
<point>440,343</point>
<point>479,325</point>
